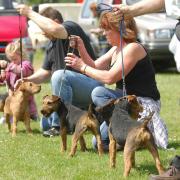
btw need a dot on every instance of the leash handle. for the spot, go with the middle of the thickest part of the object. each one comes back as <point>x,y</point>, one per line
<point>69,46</point>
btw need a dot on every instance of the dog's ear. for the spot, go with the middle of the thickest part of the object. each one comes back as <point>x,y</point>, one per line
<point>45,96</point>
<point>21,86</point>
<point>131,99</point>
<point>55,98</point>
<point>18,84</point>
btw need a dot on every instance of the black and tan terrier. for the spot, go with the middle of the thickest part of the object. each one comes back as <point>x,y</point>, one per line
<point>75,119</point>
<point>16,105</point>
<point>121,115</point>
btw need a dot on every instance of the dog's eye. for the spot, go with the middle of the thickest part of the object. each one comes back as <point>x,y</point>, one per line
<point>48,103</point>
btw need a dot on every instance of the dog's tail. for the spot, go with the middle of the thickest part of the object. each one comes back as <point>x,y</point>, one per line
<point>91,110</point>
<point>147,119</point>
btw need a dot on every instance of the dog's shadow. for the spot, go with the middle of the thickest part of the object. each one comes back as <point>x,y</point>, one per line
<point>149,168</point>
<point>174,145</point>
<point>34,131</point>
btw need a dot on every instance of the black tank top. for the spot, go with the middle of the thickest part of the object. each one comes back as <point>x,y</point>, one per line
<point>141,80</point>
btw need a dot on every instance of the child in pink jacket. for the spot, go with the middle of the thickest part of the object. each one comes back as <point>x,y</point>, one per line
<point>13,72</point>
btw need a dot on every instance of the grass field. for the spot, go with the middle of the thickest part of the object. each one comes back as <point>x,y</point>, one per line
<point>38,158</point>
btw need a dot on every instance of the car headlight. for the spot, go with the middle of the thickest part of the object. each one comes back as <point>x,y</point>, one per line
<point>163,34</point>
<point>160,34</point>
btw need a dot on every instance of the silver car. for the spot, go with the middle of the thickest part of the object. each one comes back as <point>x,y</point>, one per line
<point>155,31</point>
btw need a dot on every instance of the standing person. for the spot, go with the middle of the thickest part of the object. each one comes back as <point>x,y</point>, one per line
<point>13,71</point>
<point>138,70</point>
<point>51,22</point>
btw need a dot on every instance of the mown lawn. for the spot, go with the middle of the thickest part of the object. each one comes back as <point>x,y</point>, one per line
<point>37,158</point>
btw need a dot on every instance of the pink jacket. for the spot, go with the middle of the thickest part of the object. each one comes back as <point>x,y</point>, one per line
<point>13,72</point>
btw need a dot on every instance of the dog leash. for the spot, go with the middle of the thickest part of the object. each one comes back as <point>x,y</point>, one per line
<point>122,31</point>
<point>71,44</point>
<point>20,32</point>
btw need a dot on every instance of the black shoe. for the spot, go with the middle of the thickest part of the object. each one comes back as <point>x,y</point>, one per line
<point>51,132</point>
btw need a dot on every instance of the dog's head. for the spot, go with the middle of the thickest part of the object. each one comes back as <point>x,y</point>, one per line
<point>130,104</point>
<point>50,104</point>
<point>28,87</point>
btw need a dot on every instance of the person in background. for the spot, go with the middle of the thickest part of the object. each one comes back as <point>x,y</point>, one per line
<point>57,31</point>
<point>12,71</point>
<point>138,71</point>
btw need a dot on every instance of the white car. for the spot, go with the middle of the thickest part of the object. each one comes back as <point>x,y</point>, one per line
<point>155,31</point>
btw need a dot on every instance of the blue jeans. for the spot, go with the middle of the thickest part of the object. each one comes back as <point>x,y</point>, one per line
<point>73,87</point>
<point>100,96</point>
<point>51,121</point>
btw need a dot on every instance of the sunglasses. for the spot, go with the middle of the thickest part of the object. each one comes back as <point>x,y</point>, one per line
<point>106,7</point>
<point>103,7</point>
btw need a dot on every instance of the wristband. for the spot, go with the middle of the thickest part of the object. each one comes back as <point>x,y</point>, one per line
<point>84,71</point>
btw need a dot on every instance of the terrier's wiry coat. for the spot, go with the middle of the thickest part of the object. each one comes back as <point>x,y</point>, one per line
<point>16,105</point>
<point>75,119</point>
<point>121,115</point>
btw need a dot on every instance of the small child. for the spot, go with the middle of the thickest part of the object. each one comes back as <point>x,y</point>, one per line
<point>13,71</point>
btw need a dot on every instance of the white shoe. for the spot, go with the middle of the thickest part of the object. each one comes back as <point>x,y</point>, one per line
<point>2,120</point>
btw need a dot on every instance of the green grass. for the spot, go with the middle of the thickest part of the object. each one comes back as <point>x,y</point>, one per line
<point>38,158</point>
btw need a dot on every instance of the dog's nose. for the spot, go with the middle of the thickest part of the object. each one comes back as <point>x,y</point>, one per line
<point>42,111</point>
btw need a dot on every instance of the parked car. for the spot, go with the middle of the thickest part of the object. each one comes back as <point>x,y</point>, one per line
<point>12,27</point>
<point>155,31</point>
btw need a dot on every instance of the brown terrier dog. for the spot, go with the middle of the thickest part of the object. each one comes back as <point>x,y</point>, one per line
<point>16,105</point>
<point>75,119</point>
<point>124,130</point>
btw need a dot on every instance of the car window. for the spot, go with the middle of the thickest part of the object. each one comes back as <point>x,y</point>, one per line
<point>5,4</point>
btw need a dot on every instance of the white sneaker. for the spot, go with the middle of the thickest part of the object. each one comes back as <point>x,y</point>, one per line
<point>2,120</point>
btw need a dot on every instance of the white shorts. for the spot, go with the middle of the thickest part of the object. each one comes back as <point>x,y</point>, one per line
<point>156,125</point>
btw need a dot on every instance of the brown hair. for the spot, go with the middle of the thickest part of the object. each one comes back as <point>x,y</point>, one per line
<point>52,13</point>
<point>14,47</point>
<point>107,21</point>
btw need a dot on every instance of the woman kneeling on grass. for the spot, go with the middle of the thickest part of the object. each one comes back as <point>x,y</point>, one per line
<point>138,70</point>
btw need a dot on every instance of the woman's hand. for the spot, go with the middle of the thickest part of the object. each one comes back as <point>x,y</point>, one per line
<point>76,42</point>
<point>3,64</point>
<point>2,75</point>
<point>120,12</point>
<point>74,62</point>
